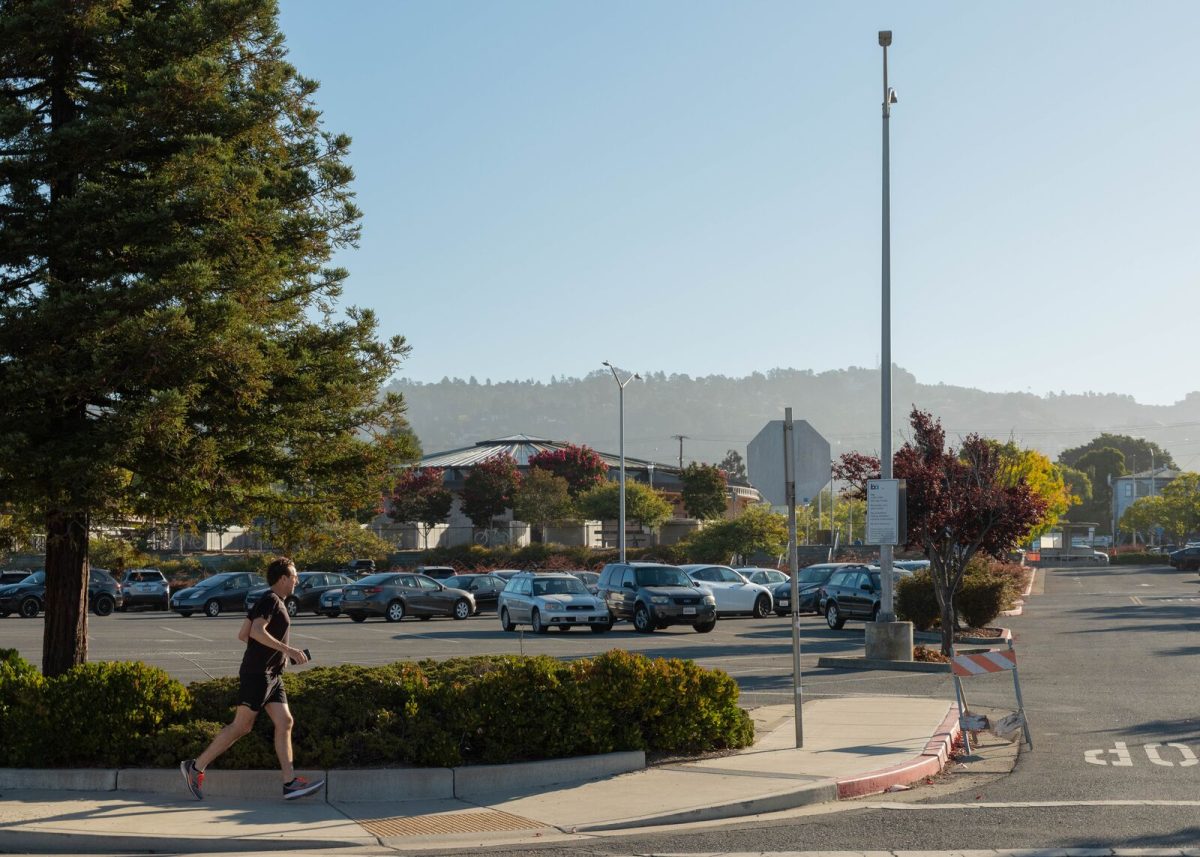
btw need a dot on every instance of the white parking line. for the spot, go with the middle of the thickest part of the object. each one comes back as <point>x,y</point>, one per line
<point>186,634</point>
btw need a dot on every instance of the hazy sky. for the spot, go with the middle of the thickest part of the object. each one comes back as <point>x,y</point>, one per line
<point>694,187</point>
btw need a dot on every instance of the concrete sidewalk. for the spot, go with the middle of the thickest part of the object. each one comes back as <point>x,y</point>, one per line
<point>852,747</point>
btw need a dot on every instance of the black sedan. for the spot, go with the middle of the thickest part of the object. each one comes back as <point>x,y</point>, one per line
<point>225,591</point>
<point>307,595</point>
<point>28,598</point>
<point>485,587</point>
<point>394,595</point>
<point>1186,559</point>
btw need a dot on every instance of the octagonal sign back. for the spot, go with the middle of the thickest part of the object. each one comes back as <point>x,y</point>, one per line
<point>764,461</point>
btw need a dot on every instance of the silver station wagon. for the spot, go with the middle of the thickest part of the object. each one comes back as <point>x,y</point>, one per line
<point>553,599</point>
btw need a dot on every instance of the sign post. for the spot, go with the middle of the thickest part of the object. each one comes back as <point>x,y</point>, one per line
<point>789,477</point>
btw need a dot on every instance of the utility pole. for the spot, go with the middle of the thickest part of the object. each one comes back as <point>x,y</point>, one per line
<point>681,438</point>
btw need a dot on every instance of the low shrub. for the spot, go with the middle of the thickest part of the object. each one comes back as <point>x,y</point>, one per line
<point>1138,558</point>
<point>489,709</point>
<point>916,601</point>
<point>980,598</point>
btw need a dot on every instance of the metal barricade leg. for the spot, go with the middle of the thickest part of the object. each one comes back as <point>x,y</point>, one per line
<point>962,713</point>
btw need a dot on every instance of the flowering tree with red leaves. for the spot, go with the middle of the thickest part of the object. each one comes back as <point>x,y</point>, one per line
<point>489,488</point>
<point>958,504</point>
<point>421,496</point>
<point>581,466</point>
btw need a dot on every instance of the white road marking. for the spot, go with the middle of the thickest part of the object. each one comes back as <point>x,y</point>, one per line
<point>185,633</point>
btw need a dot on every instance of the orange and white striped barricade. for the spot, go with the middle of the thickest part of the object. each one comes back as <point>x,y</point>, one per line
<point>1002,660</point>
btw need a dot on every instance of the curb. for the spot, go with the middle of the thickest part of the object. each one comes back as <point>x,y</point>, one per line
<point>878,664</point>
<point>931,637</point>
<point>821,791</point>
<point>371,784</point>
<point>49,842</point>
<point>930,762</point>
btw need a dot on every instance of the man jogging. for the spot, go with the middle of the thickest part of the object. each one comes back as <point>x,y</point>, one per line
<point>265,633</point>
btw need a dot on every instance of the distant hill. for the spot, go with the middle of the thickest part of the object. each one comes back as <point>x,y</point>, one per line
<point>718,413</point>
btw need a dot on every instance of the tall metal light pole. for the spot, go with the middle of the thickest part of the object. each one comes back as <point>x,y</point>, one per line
<point>886,608</point>
<point>621,396</point>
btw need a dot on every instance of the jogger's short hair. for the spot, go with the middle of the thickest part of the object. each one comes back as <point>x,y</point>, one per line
<point>279,567</point>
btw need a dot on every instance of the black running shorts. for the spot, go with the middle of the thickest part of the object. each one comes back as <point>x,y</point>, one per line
<point>258,689</point>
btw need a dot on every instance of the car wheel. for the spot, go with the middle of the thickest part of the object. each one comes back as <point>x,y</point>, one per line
<point>762,606</point>
<point>506,624</point>
<point>358,617</point>
<point>29,608</point>
<point>292,607</point>
<point>642,622</point>
<point>535,623</point>
<point>394,612</point>
<point>833,618</point>
<point>704,627</point>
<point>212,608</point>
<point>104,605</point>
<point>461,609</point>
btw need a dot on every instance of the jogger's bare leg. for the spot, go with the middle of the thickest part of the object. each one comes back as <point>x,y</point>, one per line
<point>281,716</point>
<point>243,722</point>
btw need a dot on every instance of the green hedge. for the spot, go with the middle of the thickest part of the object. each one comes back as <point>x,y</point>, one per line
<point>486,709</point>
<point>988,587</point>
<point>1138,558</point>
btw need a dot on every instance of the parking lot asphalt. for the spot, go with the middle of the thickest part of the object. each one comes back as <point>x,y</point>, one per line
<point>756,652</point>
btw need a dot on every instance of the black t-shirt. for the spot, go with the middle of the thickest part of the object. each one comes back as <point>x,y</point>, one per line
<point>258,658</point>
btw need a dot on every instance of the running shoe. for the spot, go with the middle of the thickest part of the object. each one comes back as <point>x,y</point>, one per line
<point>299,787</point>
<point>194,778</point>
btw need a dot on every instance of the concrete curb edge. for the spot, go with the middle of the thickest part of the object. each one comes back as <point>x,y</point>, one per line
<point>930,762</point>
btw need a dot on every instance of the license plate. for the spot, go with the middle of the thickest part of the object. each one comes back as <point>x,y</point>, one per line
<point>783,602</point>
<point>689,611</point>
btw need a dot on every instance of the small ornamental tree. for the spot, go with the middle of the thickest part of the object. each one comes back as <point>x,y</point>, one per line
<point>756,530</point>
<point>1176,510</point>
<point>489,489</point>
<point>421,497</point>
<point>581,466</point>
<point>643,504</point>
<point>734,465</point>
<point>703,490</point>
<point>542,499</point>
<point>958,504</point>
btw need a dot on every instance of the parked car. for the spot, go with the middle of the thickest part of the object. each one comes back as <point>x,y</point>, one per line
<point>485,588</point>
<point>853,593</point>
<point>590,579</point>
<point>13,575</point>
<point>145,587</point>
<point>358,568</point>
<point>225,591</point>
<point>553,599</point>
<point>1187,559</point>
<point>307,594</point>
<point>910,564</point>
<point>394,595</point>
<point>1100,558</point>
<point>654,595</point>
<point>27,598</point>
<point>768,577</point>
<point>330,603</point>
<point>734,593</point>
<point>437,572</point>
<point>506,574</point>
<point>808,587</point>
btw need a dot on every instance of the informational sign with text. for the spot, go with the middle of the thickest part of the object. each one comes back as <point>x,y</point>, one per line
<point>887,523</point>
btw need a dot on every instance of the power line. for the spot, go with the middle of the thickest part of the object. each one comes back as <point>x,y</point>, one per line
<point>681,438</point>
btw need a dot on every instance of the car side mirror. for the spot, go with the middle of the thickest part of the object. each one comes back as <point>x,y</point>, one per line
<point>866,587</point>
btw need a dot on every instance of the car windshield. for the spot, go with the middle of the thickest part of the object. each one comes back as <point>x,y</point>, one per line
<point>457,582</point>
<point>559,586</point>
<point>662,575</point>
<point>36,577</point>
<point>814,575</point>
<point>145,576</point>
<point>215,580</point>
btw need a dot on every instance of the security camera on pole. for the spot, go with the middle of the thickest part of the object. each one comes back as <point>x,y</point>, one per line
<point>886,638</point>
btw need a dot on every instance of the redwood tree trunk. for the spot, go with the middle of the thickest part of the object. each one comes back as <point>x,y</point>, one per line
<point>64,636</point>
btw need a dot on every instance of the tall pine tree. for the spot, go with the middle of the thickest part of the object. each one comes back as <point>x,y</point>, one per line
<point>169,204</point>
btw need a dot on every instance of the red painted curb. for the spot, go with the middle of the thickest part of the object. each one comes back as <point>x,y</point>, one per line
<point>930,762</point>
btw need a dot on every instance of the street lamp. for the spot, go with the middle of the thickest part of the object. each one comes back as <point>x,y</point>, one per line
<point>886,609</point>
<point>621,429</point>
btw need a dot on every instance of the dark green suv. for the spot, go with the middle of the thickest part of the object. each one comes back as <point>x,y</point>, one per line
<point>652,596</point>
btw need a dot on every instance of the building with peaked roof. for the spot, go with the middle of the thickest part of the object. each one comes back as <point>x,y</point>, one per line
<point>457,464</point>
